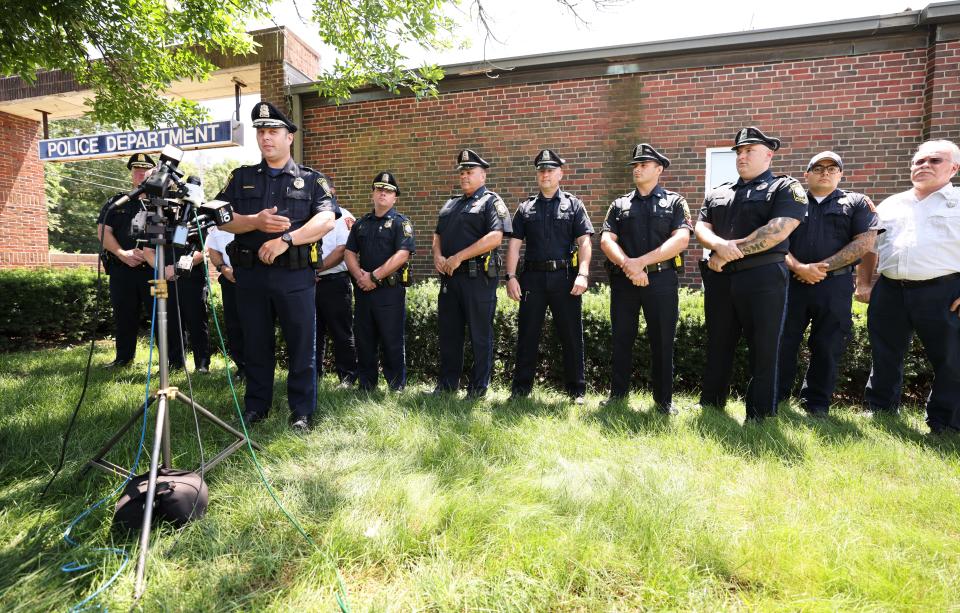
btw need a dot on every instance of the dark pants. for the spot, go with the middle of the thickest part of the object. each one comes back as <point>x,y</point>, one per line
<point>539,291</point>
<point>129,293</point>
<point>191,294</point>
<point>752,304</point>
<point>894,314</point>
<point>826,307</point>
<point>231,316</point>
<point>334,316</point>
<point>266,294</point>
<point>471,303</point>
<point>661,309</point>
<point>379,319</point>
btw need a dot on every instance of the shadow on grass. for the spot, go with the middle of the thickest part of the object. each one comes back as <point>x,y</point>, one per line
<point>831,429</point>
<point>758,440</point>
<point>620,417</point>
<point>947,445</point>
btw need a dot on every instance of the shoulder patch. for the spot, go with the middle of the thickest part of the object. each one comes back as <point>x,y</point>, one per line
<point>869,203</point>
<point>798,194</point>
<point>407,228</point>
<point>501,208</point>
<point>322,182</point>
<point>686,208</point>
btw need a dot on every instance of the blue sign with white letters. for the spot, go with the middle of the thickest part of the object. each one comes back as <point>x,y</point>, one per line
<point>208,135</point>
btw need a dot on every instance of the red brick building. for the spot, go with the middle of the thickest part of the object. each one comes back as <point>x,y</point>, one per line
<point>871,89</point>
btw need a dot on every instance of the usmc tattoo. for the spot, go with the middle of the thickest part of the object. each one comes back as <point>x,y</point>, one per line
<point>765,237</point>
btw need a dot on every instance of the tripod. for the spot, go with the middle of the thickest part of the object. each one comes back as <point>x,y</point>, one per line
<point>161,439</point>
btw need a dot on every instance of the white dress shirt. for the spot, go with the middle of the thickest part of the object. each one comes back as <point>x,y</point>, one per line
<point>920,238</point>
<point>218,240</point>
<point>333,239</point>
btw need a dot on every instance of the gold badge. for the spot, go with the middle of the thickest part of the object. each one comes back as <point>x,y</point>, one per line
<point>298,183</point>
<point>264,111</point>
<point>798,194</point>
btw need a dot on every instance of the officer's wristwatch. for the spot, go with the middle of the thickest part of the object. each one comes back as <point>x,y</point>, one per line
<point>509,276</point>
<point>285,237</point>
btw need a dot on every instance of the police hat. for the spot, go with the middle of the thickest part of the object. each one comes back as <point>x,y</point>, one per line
<point>751,136</point>
<point>644,152</point>
<point>548,159</point>
<point>825,155</point>
<point>468,158</point>
<point>140,160</point>
<point>386,180</point>
<point>265,115</point>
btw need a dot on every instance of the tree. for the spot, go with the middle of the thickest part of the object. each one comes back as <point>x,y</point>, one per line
<point>144,46</point>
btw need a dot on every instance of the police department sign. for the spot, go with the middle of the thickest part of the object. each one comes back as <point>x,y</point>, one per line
<point>208,135</point>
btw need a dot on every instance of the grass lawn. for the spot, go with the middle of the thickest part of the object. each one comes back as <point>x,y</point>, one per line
<point>445,504</point>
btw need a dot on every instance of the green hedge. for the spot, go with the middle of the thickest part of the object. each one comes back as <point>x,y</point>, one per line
<point>45,307</point>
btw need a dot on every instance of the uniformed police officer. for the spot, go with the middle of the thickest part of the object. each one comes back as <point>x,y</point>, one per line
<point>465,253</point>
<point>126,263</point>
<point>216,242</point>
<point>643,235</point>
<point>746,225</point>
<point>378,249</point>
<point>556,268</point>
<point>840,227</point>
<point>335,303</point>
<point>281,210</point>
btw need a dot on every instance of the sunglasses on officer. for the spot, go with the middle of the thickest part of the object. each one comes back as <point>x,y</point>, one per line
<point>933,161</point>
<point>825,170</point>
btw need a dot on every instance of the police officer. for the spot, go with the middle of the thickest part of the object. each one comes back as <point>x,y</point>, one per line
<point>126,263</point>
<point>746,225</point>
<point>217,241</point>
<point>465,253</point>
<point>918,290</point>
<point>643,235</point>
<point>556,268</point>
<point>377,254</point>
<point>840,227</point>
<point>281,210</point>
<point>335,303</point>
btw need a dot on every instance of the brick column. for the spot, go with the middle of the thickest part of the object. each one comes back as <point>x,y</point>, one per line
<point>23,206</point>
<point>942,104</point>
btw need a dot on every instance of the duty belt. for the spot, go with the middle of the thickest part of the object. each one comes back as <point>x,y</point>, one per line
<point>925,282</point>
<point>840,271</point>
<point>752,262</point>
<point>333,275</point>
<point>652,268</point>
<point>546,265</point>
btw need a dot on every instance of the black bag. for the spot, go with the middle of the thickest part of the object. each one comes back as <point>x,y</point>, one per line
<point>181,497</point>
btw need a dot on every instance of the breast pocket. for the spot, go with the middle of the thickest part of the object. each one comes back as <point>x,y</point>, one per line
<point>297,205</point>
<point>838,225</point>
<point>250,200</point>
<point>661,220</point>
<point>944,225</point>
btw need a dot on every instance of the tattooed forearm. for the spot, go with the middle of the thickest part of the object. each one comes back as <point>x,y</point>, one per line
<point>768,236</point>
<point>853,251</point>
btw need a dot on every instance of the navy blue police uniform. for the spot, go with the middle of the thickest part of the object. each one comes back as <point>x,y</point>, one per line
<point>187,312</point>
<point>827,305</point>
<point>642,224</point>
<point>469,296</point>
<point>380,314</point>
<point>129,286</point>
<point>748,297</point>
<point>282,291</point>
<point>550,227</point>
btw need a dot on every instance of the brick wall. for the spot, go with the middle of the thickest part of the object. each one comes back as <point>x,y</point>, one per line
<point>870,108</point>
<point>23,208</point>
<point>942,118</point>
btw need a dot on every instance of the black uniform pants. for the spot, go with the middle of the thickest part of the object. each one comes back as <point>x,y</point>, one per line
<point>129,293</point>
<point>231,316</point>
<point>379,320</point>
<point>826,307</point>
<point>334,316</point>
<point>190,293</point>
<point>540,290</point>
<point>752,304</point>
<point>472,303</point>
<point>267,294</point>
<point>894,314</point>
<point>660,304</point>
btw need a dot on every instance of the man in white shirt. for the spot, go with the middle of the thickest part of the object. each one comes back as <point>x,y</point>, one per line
<point>217,241</point>
<point>919,286</point>
<point>335,303</point>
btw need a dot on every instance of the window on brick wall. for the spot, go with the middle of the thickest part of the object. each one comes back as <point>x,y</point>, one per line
<point>721,166</point>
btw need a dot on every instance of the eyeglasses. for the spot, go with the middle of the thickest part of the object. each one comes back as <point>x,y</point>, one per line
<point>931,161</point>
<point>825,170</point>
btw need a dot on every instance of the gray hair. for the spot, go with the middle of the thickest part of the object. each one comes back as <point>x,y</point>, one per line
<point>944,144</point>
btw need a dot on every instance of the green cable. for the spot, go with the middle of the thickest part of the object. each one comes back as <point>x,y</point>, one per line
<point>341,595</point>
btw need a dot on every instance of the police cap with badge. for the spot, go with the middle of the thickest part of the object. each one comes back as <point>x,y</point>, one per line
<point>547,158</point>
<point>386,180</point>
<point>753,136</point>
<point>646,153</point>
<point>265,115</point>
<point>140,160</point>
<point>468,158</point>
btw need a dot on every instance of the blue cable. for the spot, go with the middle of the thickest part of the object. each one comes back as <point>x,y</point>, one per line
<point>74,566</point>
